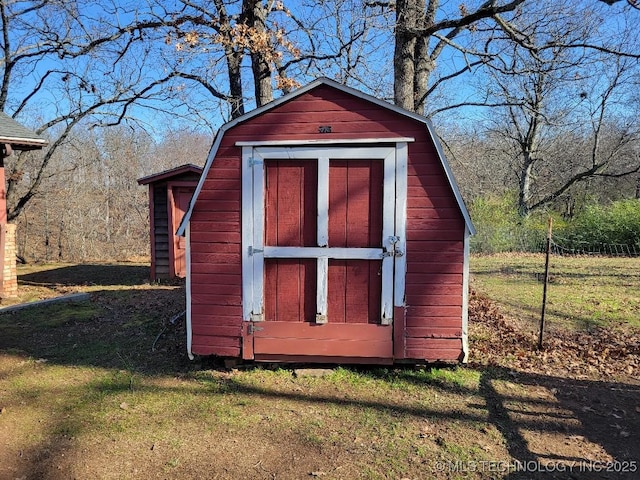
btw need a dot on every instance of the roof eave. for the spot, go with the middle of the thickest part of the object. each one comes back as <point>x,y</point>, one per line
<point>181,170</point>
<point>22,144</point>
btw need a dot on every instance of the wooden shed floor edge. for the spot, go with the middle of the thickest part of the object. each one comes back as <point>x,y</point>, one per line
<point>302,359</point>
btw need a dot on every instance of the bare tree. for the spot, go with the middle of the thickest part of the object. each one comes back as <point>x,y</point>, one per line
<point>424,29</point>
<point>64,66</point>
<point>563,119</point>
<point>93,209</point>
<point>67,65</point>
<point>72,68</point>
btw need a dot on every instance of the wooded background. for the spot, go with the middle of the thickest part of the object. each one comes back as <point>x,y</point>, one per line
<point>536,102</point>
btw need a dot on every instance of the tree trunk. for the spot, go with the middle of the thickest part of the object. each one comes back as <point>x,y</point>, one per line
<point>525,186</point>
<point>404,58</point>
<point>234,60</point>
<point>60,243</point>
<point>233,57</point>
<point>47,242</point>
<point>256,16</point>
<point>421,74</point>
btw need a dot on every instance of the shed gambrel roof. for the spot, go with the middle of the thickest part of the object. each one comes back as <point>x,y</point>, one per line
<point>19,137</point>
<point>350,91</point>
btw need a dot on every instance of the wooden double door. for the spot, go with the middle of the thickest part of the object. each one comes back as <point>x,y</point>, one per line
<point>322,253</point>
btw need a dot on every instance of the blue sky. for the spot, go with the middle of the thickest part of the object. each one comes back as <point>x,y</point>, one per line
<point>192,107</point>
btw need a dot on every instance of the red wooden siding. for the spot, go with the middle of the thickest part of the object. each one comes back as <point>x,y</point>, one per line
<point>435,234</point>
<point>291,203</point>
<point>435,259</point>
<point>179,201</point>
<point>303,339</point>
<point>169,195</point>
<point>216,279</point>
<point>354,291</point>
<point>355,203</point>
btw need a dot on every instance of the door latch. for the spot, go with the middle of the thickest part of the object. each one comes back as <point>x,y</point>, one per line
<point>392,250</point>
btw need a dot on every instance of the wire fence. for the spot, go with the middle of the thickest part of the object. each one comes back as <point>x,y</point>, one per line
<point>565,247</point>
<point>513,238</point>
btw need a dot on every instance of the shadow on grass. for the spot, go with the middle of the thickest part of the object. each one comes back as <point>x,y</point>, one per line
<point>581,410</point>
<point>97,274</point>
<point>576,411</point>
<point>122,326</point>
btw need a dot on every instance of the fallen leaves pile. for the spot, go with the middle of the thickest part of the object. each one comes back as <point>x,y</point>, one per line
<point>600,353</point>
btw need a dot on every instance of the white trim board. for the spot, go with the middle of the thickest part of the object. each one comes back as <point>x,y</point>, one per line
<point>188,293</point>
<point>337,253</point>
<point>247,233</point>
<point>315,152</point>
<point>324,141</point>
<point>254,252</point>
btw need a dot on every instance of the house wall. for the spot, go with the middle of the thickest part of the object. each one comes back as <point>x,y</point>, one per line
<point>431,324</point>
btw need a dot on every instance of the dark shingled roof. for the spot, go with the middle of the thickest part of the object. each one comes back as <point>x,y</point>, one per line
<point>19,137</point>
<point>173,172</point>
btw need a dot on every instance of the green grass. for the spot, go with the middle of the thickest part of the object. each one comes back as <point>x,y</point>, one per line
<point>584,292</point>
<point>86,396</point>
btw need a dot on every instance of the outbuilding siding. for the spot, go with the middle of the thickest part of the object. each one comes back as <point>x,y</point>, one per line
<point>160,235</point>
<point>216,268</point>
<point>163,210</point>
<point>435,226</point>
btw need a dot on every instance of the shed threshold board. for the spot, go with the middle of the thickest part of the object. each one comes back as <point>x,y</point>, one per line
<point>324,141</point>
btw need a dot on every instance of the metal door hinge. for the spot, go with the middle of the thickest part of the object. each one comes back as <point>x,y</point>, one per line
<point>255,250</point>
<point>251,328</point>
<point>255,161</point>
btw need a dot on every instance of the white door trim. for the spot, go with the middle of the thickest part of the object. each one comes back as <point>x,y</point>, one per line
<point>393,223</point>
<point>330,142</point>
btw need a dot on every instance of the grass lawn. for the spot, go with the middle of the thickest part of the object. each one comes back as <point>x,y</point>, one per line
<point>103,389</point>
<point>583,292</point>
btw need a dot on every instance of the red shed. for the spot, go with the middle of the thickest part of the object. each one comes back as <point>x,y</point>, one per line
<point>169,195</point>
<point>327,227</point>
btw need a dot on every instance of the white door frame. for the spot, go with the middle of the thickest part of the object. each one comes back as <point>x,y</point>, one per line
<point>393,239</point>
